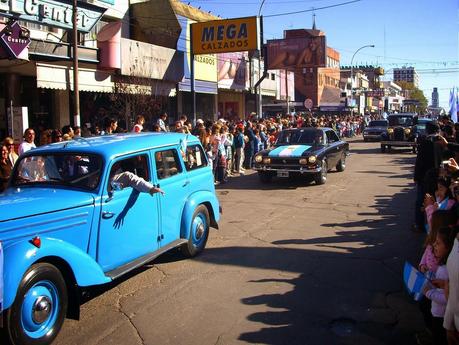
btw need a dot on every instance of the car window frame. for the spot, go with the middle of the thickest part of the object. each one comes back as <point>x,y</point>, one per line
<point>107,186</point>
<point>178,155</point>
<point>203,154</point>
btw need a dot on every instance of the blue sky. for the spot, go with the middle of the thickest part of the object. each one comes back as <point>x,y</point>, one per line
<point>419,33</point>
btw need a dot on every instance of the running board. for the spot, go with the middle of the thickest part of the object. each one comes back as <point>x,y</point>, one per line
<point>118,272</point>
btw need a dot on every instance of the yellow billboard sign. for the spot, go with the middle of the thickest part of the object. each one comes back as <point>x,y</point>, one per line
<point>224,36</point>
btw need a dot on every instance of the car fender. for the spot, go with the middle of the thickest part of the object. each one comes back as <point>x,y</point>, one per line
<point>194,200</point>
<point>19,256</point>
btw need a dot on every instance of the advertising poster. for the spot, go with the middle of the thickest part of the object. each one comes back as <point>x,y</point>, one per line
<point>294,53</point>
<point>232,71</point>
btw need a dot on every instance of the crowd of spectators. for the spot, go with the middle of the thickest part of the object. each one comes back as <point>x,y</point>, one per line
<point>437,213</point>
<point>230,145</point>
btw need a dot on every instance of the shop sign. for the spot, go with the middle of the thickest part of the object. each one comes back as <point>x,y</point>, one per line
<point>15,39</point>
<point>52,13</point>
<point>376,93</point>
<point>308,103</point>
<point>223,36</point>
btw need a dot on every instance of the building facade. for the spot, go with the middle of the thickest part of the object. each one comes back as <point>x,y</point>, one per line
<point>435,101</point>
<point>407,74</point>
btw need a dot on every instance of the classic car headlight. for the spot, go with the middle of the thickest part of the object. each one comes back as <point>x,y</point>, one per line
<point>303,161</point>
<point>312,159</point>
<point>407,131</point>
<point>390,130</point>
<point>258,158</point>
<point>267,160</point>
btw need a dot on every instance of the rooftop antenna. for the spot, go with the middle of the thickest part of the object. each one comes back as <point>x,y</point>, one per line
<point>314,21</point>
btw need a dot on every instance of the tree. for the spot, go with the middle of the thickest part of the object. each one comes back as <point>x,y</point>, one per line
<point>414,94</point>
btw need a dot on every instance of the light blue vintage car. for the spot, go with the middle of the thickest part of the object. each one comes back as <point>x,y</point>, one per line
<point>66,223</point>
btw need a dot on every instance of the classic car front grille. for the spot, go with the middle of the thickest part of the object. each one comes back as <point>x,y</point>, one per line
<point>399,134</point>
<point>284,161</point>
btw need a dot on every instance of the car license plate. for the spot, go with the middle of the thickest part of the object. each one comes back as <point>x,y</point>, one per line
<point>282,173</point>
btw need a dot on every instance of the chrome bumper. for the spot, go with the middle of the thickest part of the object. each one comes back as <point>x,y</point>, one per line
<point>301,170</point>
<point>399,143</point>
<point>372,136</point>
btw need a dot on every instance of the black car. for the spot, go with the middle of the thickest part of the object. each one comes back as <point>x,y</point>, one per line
<point>375,129</point>
<point>303,152</point>
<point>400,132</point>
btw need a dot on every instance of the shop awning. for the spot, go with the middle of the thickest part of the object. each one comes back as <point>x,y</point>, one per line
<point>61,78</point>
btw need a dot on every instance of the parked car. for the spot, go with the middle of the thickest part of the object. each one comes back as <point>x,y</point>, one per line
<point>419,128</point>
<point>302,152</point>
<point>375,129</point>
<point>400,132</point>
<point>66,223</point>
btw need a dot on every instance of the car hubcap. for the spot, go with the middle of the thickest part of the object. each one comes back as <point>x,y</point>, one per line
<point>200,228</point>
<point>199,231</point>
<point>42,309</point>
<point>39,309</point>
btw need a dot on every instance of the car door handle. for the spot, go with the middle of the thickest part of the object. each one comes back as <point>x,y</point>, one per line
<point>107,215</point>
<point>186,183</point>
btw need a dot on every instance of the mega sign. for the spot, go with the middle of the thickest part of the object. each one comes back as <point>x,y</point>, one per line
<point>52,13</point>
<point>223,36</point>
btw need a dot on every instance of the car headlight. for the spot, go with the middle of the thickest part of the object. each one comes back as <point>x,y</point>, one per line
<point>312,159</point>
<point>390,130</point>
<point>258,158</point>
<point>407,131</point>
<point>267,160</point>
<point>303,161</point>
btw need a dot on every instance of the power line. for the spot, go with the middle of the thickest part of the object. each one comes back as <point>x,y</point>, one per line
<point>310,10</point>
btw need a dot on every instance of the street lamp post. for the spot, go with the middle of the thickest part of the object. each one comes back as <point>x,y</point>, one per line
<point>259,101</point>
<point>352,70</point>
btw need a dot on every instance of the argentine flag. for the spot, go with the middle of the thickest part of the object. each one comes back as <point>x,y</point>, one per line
<point>453,104</point>
<point>414,280</point>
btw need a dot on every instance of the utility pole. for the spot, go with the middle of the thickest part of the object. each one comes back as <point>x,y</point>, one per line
<point>76,94</point>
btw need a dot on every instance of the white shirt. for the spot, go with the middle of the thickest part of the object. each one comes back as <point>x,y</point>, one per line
<point>451,319</point>
<point>128,179</point>
<point>25,146</point>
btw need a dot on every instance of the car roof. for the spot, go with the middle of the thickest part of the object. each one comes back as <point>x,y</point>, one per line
<point>403,114</point>
<point>110,146</point>
<point>308,129</point>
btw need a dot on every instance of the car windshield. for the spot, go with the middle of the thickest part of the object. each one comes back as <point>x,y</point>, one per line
<point>300,137</point>
<point>400,121</point>
<point>74,170</point>
<point>381,123</point>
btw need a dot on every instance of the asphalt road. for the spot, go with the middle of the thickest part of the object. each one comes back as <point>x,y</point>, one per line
<point>292,263</point>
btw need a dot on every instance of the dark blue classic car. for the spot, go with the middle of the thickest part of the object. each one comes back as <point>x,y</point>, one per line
<point>303,152</point>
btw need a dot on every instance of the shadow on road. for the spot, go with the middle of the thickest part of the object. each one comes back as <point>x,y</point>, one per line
<point>348,289</point>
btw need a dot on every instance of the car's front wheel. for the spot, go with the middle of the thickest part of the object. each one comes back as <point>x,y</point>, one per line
<point>199,232</point>
<point>39,309</point>
<point>321,177</point>
<point>383,148</point>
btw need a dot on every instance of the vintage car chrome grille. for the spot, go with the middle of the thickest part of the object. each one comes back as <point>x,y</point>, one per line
<point>284,161</point>
<point>399,134</point>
